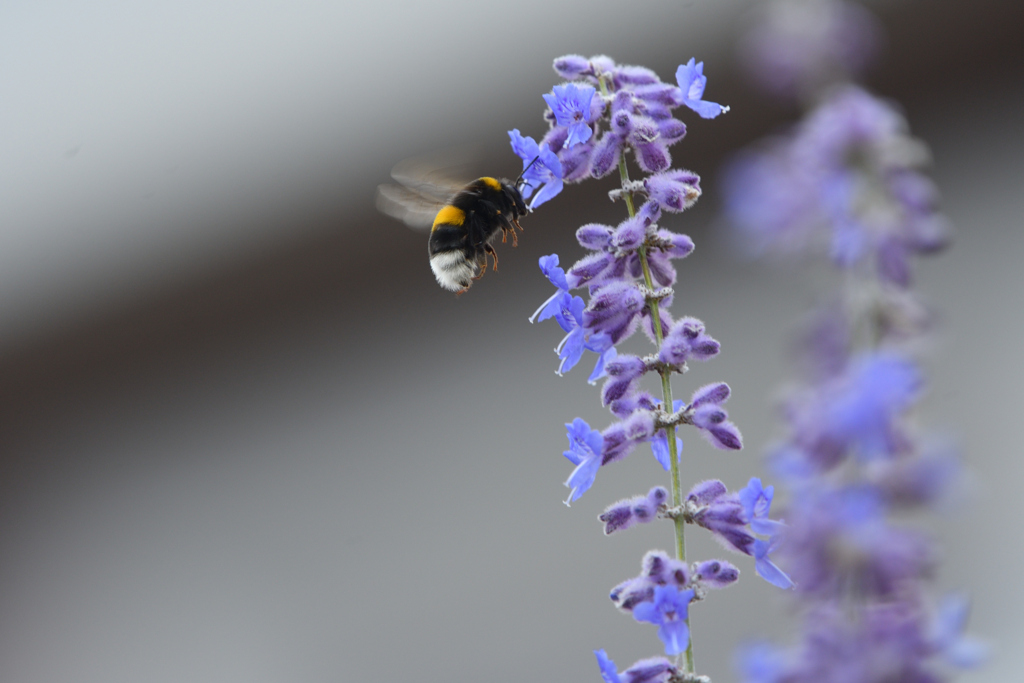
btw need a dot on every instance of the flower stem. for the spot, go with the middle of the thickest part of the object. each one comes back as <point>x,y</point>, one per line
<point>666,388</point>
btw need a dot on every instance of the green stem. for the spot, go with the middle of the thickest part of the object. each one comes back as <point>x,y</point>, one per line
<point>666,388</point>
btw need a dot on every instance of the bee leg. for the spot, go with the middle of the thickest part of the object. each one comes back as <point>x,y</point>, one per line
<point>488,249</point>
<point>515,238</point>
<point>482,263</point>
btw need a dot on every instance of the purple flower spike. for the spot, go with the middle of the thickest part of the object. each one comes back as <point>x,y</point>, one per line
<point>669,611</point>
<point>707,492</point>
<point>585,448</point>
<point>571,106</point>
<point>691,81</point>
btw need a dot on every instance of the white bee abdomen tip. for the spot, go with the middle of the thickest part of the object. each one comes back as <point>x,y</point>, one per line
<point>452,270</point>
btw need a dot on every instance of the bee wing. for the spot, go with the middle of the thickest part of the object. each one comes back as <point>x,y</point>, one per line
<point>410,207</point>
<point>427,184</point>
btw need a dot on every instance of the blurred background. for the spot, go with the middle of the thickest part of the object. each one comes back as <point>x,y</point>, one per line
<point>244,436</point>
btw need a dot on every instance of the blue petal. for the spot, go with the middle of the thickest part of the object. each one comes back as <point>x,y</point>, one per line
<point>675,635</point>
<point>582,478</point>
<point>572,350</point>
<point>707,110</point>
<point>602,359</point>
<point>549,191</point>
<point>659,446</point>
<point>607,666</point>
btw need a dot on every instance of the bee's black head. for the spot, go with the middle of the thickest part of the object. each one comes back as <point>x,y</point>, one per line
<point>515,198</point>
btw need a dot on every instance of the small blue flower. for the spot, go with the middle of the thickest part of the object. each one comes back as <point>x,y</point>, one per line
<point>757,503</point>
<point>608,671</point>
<point>570,104</point>
<point>549,266</point>
<point>692,80</point>
<point>669,610</point>
<point>545,173</point>
<point>585,447</point>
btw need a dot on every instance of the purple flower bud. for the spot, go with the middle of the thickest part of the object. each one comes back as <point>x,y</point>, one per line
<point>716,393</point>
<point>626,366</point>
<point>613,310</point>
<point>616,388</point>
<point>629,403</point>
<point>662,271</point>
<point>622,437</point>
<point>652,157</point>
<point>649,213</point>
<point>674,350</point>
<point>617,517</point>
<point>708,415</point>
<point>724,435</point>
<point>674,190</point>
<point>652,670</point>
<point>724,519</point>
<point>629,234</point>
<point>717,573</point>
<point>636,75</point>
<point>682,245</point>
<point>643,511</point>
<point>644,131</point>
<point>704,348</point>
<point>588,268</point>
<point>688,327</point>
<point>623,101</point>
<point>640,426</point>
<point>707,492</point>
<point>622,123</point>
<point>576,162</point>
<point>571,67</point>
<point>654,565</point>
<point>663,93</point>
<point>594,236</point>
<point>605,157</point>
<point>601,64</point>
<point>658,496</point>
<point>632,592</point>
<point>672,130</point>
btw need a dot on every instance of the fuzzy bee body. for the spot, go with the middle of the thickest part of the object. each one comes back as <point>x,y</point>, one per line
<point>464,218</point>
<point>460,237</point>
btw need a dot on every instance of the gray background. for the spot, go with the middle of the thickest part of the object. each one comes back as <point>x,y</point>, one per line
<point>245,437</point>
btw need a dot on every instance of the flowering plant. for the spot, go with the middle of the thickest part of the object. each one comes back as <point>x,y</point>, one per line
<point>601,116</point>
<point>847,181</point>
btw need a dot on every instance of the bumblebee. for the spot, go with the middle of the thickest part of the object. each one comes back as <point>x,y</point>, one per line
<point>464,220</point>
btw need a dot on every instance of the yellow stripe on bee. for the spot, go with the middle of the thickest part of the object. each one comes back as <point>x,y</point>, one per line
<point>449,215</point>
<point>491,183</point>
